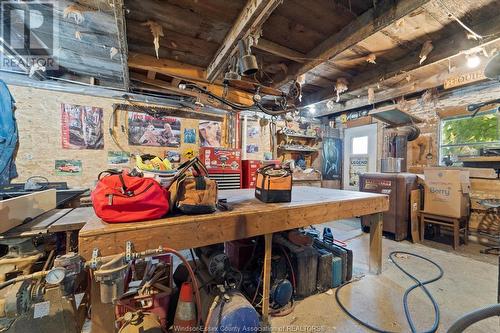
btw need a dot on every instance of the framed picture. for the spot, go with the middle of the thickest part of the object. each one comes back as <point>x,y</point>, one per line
<point>118,158</point>
<point>82,127</point>
<point>210,133</point>
<point>357,166</point>
<point>331,167</point>
<point>68,167</point>
<point>145,130</point>
<point>190,135</point>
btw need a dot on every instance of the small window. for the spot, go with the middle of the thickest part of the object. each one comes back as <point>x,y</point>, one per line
<point>360,145</point>
<point>465,136</point>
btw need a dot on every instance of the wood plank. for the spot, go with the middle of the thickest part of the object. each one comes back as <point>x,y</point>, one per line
<point>253,15</point>
<point>171,111</point>
<point>376,223</point>
<point>16,211</point>
<point>445,49</point>
<point>182,71</point>
<point>414,210</point>
<point>266,277</point>
<point>367,24</point>
<point>166,67</point>
<point>119,12</point>
<point>420,85</point>
<point>249,217</point>
<point>279,50</point>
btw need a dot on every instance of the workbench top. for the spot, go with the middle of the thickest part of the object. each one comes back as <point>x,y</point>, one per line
<point>249,217</point>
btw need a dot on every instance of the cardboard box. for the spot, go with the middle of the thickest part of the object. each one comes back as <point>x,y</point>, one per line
<point>446,192</point>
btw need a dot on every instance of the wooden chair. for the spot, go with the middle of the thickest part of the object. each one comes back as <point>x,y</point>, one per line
<point>458,225</point>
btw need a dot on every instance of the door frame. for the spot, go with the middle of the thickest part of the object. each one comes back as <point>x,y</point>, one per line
<point>353,132</point>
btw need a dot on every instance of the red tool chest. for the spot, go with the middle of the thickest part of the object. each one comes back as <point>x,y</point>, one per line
<point>249,170</point>
<point>223,165</point>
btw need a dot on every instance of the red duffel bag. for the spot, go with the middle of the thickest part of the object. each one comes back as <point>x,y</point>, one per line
<point>119,197</point>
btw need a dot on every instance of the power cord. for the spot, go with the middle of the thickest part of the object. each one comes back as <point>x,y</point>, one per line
<point>418,284</point>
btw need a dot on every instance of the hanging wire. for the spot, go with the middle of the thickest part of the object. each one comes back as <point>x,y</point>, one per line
<point>450,13</point>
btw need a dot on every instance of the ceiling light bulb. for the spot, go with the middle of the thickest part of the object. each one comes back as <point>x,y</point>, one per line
<point>312,109</point>
<point>473,61</point>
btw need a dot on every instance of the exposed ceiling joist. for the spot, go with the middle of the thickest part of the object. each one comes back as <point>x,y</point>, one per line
<point>253,15</point>
<point>435,80</point>
<point>121,26</point>
<point>185,72</point>
<point>445,49</point>
<point>166,66</point>
<point>364,26</point>
<point>279,50</point>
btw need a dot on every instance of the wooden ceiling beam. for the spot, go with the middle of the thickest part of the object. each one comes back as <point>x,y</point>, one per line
<point>370,22</point>
<point>251,18</point>
<point>444,49</point>
<point>279,50</point>
<point>185,72</point>
<point>166,67</point>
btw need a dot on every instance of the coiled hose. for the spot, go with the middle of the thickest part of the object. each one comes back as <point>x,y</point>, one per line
<point>418,284</point>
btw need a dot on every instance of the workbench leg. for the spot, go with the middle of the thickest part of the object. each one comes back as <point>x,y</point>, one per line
<point>376,226</point>
<point>266,285</point>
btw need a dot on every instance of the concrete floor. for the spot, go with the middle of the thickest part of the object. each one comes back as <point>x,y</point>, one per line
<point>467,284</point>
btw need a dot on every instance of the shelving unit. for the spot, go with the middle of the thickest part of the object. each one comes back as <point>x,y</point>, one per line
<point>292,145</point>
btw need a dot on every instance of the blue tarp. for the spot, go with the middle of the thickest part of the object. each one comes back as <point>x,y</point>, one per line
<point>8,135</point>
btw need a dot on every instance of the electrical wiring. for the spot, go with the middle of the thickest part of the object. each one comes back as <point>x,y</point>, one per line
<point>285,108</point>
<point>418,284</point>
<point>476,36</point>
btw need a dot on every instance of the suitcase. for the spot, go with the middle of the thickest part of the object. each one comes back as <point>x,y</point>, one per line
<point>325,270</point>
<point>343,253</point>
<point>305,264</point>
<point>336,272</point>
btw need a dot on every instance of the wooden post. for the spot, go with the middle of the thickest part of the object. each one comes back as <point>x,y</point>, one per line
<point>376,223</point>
<point>268,241</point>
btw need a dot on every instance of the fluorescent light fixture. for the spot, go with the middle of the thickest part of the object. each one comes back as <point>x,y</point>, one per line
<point>473,61</point>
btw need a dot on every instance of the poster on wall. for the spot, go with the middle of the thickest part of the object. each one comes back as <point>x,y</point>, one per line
<point>190,135</point>
<point>357,166</point>
<point>252,149</point>
<point>210,133</point>
<point>118,158</point>
<point>173,156</point>
<point>68,167</point>
<point>331,159</point>
<point>82,127</point>
<point>145,130</point>
<point>253,131</point>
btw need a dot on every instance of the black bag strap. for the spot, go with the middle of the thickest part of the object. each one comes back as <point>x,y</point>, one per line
<point>111,172</point>
<point>195,163</point>
<point>271,167</point>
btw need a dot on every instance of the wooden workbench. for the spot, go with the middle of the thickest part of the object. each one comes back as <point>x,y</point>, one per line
<point>249,218</point>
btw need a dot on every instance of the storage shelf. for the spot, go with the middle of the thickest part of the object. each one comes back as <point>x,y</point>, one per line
<point>302,150</point>
<point>304,136</point>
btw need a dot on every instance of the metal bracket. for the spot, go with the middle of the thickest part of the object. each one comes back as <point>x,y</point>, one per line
<point>129,251</point>
<point>94,261</point>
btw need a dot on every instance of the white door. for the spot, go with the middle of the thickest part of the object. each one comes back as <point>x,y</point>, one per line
<point>360,154</point>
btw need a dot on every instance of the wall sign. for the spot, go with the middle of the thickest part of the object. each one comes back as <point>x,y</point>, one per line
<point>357,166</point>
<point>463,79</point>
